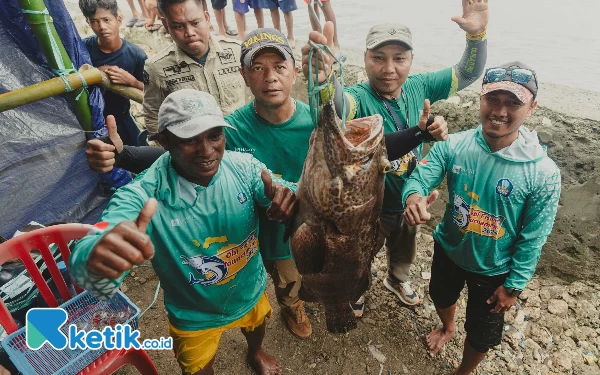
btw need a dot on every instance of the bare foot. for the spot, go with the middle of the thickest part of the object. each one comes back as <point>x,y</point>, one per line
<point>264,364</point>
<point>437,339</point>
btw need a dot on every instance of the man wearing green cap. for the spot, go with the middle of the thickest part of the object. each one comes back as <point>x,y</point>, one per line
<point>504,191</point>
<point>193,213</point>
<point>400,98</point>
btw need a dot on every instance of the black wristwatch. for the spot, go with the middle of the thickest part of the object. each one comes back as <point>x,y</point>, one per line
<point>513,292</point>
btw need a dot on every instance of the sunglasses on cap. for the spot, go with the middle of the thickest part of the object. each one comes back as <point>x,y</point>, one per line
<point>524,77</point>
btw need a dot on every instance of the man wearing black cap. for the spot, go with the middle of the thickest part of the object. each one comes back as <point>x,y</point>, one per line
<point>400,98</point>
<point>504,191</point>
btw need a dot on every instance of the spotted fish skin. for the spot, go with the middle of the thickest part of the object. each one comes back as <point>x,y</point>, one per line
<point>340,195</point>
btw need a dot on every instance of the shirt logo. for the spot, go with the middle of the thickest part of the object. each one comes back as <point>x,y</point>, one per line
<point>146,78</point>
<point>232,69</point>
<point>222,267</point>
<point>404,165</point>
<point>178,80</point>
<point>242,197</point>
<point>470,218</point>
<point>183,67</point>
<point>504,187</point>
<point>227,56</point>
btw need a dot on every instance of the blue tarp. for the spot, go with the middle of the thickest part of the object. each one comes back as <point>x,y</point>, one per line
<point>44,175</point>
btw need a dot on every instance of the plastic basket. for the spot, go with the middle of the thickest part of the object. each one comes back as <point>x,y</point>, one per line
<point>48,360</point>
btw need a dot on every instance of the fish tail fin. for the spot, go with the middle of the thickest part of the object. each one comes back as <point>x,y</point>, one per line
<point>339,318</point>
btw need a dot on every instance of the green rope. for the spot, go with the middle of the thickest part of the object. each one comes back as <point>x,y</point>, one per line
<point>314,88</point>
<point>62,71</point>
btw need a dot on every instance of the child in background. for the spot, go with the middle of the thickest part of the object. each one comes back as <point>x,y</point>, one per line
<point>121,60</point>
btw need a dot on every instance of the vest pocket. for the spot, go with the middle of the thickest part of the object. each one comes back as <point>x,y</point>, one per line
<point>231,91</point>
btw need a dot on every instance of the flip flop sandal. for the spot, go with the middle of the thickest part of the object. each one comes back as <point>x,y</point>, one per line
<point>131,22</point>
<point>231,32</point>
<point>153,28</point>
<point>141,22</point>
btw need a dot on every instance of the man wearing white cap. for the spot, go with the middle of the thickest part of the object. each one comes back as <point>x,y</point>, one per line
<point>193,214</point>
<point>400,99</point>
<point>504,192</point>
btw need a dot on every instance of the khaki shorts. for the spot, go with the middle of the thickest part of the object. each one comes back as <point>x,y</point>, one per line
<point>195,349</point>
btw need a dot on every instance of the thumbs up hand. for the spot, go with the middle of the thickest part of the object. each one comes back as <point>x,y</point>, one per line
<point>125,245</point>
<point>284,202</point>
<point>101,155</point>
<point>416,212</point>
<point>438,129</point>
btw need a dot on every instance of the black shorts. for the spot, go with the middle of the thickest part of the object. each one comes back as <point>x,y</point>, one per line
<point>219,4</point>
<point>484,328</point>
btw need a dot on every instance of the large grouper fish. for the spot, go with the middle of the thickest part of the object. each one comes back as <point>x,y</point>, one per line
<point>340,193</point>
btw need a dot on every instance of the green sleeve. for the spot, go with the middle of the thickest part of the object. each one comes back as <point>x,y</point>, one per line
<point>125,205</point>
<point>257,185</point>
<point>429,173</point>
<point>538,219</point>
<point>437,84</point>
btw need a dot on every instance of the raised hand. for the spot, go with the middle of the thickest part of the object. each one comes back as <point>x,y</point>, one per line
<point>317,38</point>
<point>416,212</point>
<point>284,202</point>
<point>100,155</point>
<point>124,245</point>
<point>475,16</point>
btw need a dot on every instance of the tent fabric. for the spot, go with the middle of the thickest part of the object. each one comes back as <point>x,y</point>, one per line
<point>44,175</point>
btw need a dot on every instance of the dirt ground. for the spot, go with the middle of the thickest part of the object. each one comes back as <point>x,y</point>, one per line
<point>389,326</point>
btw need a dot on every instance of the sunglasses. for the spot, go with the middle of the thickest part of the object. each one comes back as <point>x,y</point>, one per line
<point>524,77</point>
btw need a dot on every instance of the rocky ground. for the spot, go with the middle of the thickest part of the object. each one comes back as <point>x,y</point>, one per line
<point>555,329</point>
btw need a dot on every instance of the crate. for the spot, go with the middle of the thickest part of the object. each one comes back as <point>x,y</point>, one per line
<point>48,360</point>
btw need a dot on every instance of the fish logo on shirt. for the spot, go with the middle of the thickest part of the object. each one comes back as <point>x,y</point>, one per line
<point>471,218</point>
<point>222,267</point>
<point>504,187</point>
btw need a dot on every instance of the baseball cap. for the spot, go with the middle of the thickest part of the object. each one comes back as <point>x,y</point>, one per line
<point>187,113</point>
<point>264,38</point>
<point>515,77</point>
<point>389,32</point>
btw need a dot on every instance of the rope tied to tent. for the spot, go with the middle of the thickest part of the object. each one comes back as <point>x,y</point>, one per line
<point>62,70</point>
<point>314,88</point>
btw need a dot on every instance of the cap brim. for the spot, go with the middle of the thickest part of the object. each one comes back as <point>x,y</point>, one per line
<point>521,92</point>
<point>197,126</point>
<point>284,51</point>
<point>379,42</point>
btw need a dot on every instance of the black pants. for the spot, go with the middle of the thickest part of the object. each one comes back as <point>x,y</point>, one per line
<point>484,328</point>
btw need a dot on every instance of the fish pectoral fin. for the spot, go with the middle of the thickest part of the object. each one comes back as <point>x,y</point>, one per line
<point>308,249</point>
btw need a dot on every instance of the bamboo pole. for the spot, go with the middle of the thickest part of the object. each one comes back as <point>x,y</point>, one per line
<point>37,22</point>
<point>56,86</point>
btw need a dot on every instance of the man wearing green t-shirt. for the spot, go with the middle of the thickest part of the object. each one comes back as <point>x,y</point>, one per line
<point>400,98</point>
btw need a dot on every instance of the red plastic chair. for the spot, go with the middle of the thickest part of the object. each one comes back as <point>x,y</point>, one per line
<point>20,247</point>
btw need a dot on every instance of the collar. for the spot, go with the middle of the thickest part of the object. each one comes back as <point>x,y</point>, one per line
<point>214,47</point>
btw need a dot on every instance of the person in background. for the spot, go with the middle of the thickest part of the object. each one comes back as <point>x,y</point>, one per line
<point>400,98</point>
<point>197,60</point>
<point>503,193</point>
<point>329,16</point>
<point>286,6</point>
<point>135,15</point>
<point>121,60</point>
<point>219,9</point>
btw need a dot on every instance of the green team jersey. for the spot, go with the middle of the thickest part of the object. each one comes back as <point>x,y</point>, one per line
<point>205,238</point>
<point>417,87</point>
<point>501,205</point>
<point>283,148</point>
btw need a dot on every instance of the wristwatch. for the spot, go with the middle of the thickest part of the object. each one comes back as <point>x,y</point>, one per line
<point>513,292</point>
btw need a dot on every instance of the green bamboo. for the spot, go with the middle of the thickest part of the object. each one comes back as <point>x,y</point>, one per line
<point>37,22</point>
<point>56,86</point>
